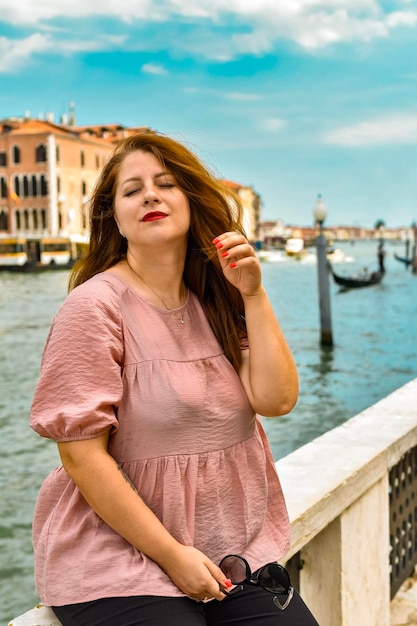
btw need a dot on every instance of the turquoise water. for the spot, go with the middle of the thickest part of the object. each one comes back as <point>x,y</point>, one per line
<point>375,352</point>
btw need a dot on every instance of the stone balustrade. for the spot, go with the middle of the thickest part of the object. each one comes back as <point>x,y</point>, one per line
<point>337,490</point>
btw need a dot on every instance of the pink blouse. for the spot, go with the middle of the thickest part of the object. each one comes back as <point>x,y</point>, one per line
<point>182,429</point>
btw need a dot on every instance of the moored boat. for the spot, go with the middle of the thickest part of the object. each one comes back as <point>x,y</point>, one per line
<point>20,254</point>
<point>366,279</point>
<point>294,247</point>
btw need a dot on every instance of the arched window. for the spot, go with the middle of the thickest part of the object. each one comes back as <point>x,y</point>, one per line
<point>35,219</point>
<point>17,186</point>
<point>43,219</point>
<point>26,192</point>
<point>3,187</point>
<point>16,154</point>
<point>44,186</point>
<point>40,153</point>
<point>18,221</point>
<point>34,186</point>
<point>4,222</point>
<point>26,219</point>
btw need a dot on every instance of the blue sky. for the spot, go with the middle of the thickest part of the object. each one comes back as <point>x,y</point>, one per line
<point>292,97</point>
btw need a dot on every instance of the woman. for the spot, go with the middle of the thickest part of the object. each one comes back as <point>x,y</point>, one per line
<point>154,370</point>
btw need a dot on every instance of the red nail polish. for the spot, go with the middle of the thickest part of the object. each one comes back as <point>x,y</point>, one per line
<point>224,254</point>
<point>232,264</point>
<point>228,583</point>
<point>219,245</point>
<point>215,240</point>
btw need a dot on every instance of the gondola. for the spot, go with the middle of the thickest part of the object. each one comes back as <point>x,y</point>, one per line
<point>354,282</point>
<point>406,260</point>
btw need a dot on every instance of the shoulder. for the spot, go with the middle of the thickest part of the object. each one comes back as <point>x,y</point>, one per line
<point>100,295</point>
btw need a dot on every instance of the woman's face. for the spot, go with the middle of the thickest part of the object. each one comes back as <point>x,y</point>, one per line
<point>150,208</point>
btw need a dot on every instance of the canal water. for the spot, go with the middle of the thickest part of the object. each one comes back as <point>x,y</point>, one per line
<point>374,352</point>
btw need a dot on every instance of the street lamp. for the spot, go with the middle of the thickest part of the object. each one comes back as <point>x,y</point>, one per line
<point>320,214</point>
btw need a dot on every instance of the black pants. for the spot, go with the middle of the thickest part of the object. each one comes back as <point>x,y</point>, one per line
<point>253,606</point>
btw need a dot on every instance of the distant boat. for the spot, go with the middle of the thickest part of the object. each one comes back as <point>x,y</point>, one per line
<point>295,247</point>
<point>406,260</point>
<point>18,254</point>
<point>271,256</point>
<point>336,255</point>
<point>361,280</point>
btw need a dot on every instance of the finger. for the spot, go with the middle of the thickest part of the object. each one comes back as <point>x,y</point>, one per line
<point>227,240</point>
<point>221,582</point>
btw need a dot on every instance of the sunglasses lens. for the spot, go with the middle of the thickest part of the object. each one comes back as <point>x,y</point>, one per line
<point>234,567</point>
<point>273,577</point>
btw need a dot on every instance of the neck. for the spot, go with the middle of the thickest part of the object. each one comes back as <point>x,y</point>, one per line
<point>166,283</point>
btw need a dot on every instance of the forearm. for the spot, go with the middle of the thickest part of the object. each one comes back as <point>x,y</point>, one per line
<point>112,496</point>
<point>269,373</point>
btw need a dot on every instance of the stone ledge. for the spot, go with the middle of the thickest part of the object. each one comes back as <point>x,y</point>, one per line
<point>38,616</point>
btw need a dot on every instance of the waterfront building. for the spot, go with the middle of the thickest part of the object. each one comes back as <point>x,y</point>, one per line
<point>251,204</point>
<point>47,171</point>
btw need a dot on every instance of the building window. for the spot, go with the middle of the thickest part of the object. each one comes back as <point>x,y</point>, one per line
<point>4,222</point>
<point>84,188</point>
<point>82,155</point>
<point>17,186</point>
<point>44,186</point>
<point>26,219</point>
<point>26,192</point>
<point>34,186</point>
<point>18,221</point>
<point>3,159</point>
<point>40,153</point>
<point>3,188</point>
<point>58,184</point>
<point>16,154</point>
<point>97,161</point>
<point>43,219</point>
<point>58,154</point>
<point>35,219</point>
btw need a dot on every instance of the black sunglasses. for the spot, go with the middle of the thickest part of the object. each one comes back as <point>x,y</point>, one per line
<point>273,577</point>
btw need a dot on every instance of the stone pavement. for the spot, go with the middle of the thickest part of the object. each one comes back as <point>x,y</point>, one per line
<point>404,605</point>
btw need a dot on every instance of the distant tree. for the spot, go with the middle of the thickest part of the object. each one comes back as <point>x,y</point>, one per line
<point>379,224</point>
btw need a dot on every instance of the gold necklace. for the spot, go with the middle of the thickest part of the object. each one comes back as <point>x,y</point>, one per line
<point>177,315</point>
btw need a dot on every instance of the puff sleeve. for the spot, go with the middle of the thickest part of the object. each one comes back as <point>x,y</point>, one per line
<point>80,384</point>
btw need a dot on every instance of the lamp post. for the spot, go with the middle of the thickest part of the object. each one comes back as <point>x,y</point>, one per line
<point>320,213</point>
<point>414,252</point>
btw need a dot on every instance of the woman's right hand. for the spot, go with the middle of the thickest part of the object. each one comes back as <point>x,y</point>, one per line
<point>195,574</point>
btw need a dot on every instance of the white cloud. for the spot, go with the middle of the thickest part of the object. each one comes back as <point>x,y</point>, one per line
<point>15,53</point>
<point>153,68</point>
<point>394,129</point>
<point>243,96</point>
<point>273,124</point>
<point>254,27</point>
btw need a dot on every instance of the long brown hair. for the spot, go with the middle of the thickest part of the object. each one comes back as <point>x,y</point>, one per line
<point>214,209</point>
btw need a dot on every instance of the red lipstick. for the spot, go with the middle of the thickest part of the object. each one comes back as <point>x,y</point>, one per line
<point>153,215</point>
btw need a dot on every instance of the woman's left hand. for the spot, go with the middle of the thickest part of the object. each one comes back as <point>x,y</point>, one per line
<point>239,262</point>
